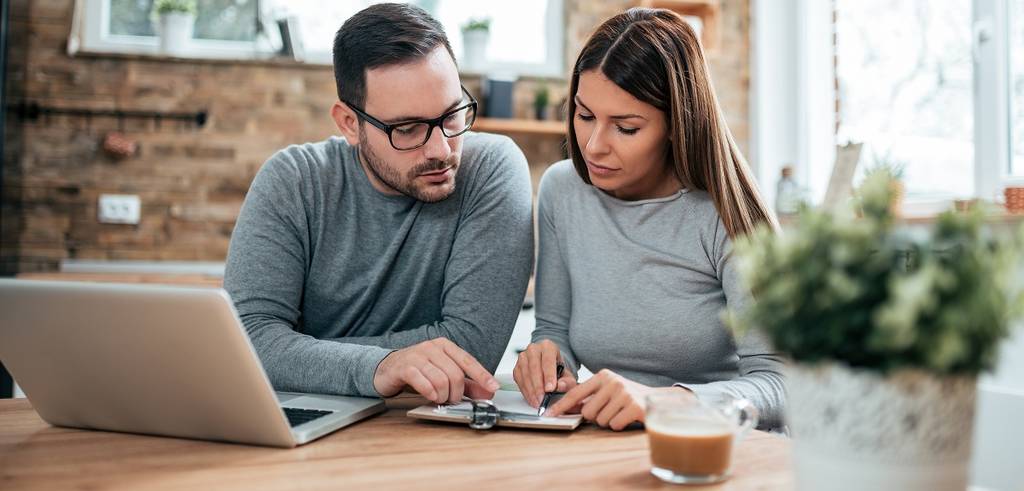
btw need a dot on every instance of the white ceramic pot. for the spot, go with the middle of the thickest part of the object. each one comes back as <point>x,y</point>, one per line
<point>859,430</point>
<point>176,32</point>
<point>474,48</point>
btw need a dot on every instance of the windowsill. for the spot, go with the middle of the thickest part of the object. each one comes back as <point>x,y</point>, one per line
<point>998,216</point>
<point>275,61</point>
<point>278,61</point>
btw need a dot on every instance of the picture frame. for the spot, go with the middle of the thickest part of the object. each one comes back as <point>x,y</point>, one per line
<point>840,184</point>
<point>291,38</point>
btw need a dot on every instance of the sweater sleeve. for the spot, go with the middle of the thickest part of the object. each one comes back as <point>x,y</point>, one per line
<point>264,275</point>
<point>489,267</point>
<point>552,289</point>
<point>760,377</point>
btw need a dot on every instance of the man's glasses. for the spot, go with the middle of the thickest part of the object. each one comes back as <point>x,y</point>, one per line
<point>409,135</point>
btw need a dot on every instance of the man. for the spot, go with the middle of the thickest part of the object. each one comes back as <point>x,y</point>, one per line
<point>399,255</point>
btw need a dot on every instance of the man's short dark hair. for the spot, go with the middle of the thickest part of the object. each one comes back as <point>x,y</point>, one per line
<point>379,35</point>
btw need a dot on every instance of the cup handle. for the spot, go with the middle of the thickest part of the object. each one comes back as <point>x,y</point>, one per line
<point>748,416</point>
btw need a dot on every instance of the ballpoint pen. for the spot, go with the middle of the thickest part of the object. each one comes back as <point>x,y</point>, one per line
<point>547,396</point>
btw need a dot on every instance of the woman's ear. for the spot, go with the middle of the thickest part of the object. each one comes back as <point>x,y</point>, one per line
<point>347,122</point>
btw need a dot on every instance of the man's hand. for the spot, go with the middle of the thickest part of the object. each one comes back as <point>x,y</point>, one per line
<point>437,369</point>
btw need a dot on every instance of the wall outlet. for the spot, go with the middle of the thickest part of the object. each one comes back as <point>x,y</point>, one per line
<point>119,208</point>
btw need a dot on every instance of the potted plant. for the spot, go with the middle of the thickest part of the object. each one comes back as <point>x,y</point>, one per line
<point>888,333</point>
<point>476,33</point>
<point>177,20</point>
<point>541,98</point>
<point>897,170</point>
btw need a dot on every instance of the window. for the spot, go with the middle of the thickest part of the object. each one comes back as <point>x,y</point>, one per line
<point>526,37</point>
<point>225,20</point>
<point>1016,45</point>
<point>937,85</point>
<point>906,90</point>
<point>223,28</point>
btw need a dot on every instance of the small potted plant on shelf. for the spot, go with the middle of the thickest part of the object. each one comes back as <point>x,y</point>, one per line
<point>888,332</point>
<point>541,98</point>
<point>476,33</point>
<point>177,20</point>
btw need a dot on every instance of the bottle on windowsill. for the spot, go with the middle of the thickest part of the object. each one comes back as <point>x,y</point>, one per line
<point>788,194</point>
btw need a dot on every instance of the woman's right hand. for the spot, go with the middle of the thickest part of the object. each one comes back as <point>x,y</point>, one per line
<point>535,372</point>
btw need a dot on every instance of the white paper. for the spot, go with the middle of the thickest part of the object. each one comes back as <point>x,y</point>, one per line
<point>507,401</point>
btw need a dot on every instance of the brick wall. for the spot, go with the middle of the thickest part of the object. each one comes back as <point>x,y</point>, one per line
<point>192,180</point>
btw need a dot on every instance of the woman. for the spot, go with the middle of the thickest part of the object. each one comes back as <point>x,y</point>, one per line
<point>634,266</point>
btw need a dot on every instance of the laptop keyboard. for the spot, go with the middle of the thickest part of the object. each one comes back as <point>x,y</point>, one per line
<point>298,416</point>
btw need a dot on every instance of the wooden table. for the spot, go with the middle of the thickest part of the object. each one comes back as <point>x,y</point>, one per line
<point>388,451</point>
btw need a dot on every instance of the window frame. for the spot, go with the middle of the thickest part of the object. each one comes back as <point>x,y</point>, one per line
<point>990,42</point>
<point>94,35</point>
<point>554,66</point>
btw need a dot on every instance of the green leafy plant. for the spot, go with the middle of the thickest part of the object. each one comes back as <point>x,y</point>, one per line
<point>541,97</point>
<point>477,24</point>
<point>174,6</point>
<point>895,168</point>
<point>853,287</point>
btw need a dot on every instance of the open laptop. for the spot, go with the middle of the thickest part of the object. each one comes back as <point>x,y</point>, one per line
<point>159,360</point>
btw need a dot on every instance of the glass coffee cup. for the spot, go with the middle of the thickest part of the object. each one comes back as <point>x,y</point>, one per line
<point>692,441</point>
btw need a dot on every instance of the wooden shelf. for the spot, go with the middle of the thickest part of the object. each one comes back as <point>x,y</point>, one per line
<point>143,278</point>
<point>520,126</point>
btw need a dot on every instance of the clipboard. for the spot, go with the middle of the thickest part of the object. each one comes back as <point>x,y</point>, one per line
<point>507,408</point>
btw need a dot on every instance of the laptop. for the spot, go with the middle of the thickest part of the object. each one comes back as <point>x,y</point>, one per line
<point>157,360</point>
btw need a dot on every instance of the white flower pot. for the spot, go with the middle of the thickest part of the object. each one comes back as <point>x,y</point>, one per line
<point>474,48</point>
<point>176,32</point>
<point>857,430</point>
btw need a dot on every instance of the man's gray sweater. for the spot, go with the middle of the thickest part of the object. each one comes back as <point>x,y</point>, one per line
<point>329,275</point>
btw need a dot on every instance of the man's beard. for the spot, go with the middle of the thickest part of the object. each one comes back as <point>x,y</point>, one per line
<point>427,192</point>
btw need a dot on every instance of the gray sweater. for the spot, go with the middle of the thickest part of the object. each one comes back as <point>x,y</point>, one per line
<point>638,287</point>
<point>329,275</point>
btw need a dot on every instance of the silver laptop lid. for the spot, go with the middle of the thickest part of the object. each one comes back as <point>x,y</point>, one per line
<point>143,359</point>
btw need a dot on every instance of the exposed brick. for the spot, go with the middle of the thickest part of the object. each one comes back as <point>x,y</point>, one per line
<point>209,152</point>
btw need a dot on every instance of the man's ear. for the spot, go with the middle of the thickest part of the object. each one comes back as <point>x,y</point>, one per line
<point>347,122</point>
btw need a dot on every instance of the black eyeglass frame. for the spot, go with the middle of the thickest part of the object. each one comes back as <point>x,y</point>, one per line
<point>431,123</point>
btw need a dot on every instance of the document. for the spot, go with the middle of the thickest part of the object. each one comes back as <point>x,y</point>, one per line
<point>513,409</point>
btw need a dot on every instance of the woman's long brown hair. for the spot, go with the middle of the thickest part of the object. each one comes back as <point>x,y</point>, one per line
<point>655,55</point>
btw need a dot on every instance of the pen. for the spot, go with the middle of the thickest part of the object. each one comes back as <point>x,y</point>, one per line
<point>547,397</point>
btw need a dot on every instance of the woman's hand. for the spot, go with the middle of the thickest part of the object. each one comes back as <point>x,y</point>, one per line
<point>608,399</point>
<point>535,372</point>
